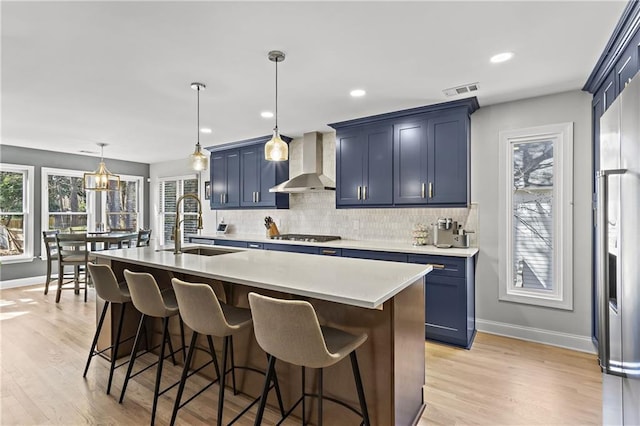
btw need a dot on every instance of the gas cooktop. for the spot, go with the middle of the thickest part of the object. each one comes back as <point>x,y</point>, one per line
<point>304,237</point>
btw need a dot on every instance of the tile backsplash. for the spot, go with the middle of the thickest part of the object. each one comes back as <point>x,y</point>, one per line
<point>315,212</point>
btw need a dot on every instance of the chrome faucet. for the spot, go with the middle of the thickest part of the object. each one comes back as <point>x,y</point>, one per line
<point>177,238</point>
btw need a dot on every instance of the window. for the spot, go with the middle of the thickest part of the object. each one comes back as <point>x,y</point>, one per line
<point>16,213</point>
<point>536,200</point>
<point>123,209</point>
<point>170,190</point>
<point>65,204</point>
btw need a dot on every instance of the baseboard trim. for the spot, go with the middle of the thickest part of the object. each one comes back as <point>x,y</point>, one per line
<point>547,337</point>
<point>22,282</point>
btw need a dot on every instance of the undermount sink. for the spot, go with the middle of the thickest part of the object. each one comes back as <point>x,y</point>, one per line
<point>206,251</point>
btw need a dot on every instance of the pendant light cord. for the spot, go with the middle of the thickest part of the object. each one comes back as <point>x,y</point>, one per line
<point>276,94</point>
<point>198,122</point>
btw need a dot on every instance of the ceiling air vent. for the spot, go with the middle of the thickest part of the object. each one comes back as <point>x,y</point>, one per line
<point>461,90</point>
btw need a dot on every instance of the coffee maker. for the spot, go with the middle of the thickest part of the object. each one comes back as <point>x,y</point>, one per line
<point>447,233</point>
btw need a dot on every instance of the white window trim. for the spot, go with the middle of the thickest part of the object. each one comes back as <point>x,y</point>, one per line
<point>91,201</point>
<point>562,137</point>
<point>102,215</point>
<point>29,231</point>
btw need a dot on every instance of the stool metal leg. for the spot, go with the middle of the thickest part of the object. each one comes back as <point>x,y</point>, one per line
<point>116,347</point>
<point>358,379</point>
<point>320,397</point>
<point>95,338</point>
<point>304,407</point>
<point>225,347</point>
<point>156,390</point>
<point>183,379</point>
<point>214,356</point>
<point>132,359</point>
<point>265,389</point>
<point>233,368</point>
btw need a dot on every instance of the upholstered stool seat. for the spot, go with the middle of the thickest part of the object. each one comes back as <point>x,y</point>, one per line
<point>111,291</point>
<point>152,302</point>
<point>206,315</point>
<point>289,330</point>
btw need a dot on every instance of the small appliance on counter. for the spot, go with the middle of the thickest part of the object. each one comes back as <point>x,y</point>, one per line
<point>447,233</point>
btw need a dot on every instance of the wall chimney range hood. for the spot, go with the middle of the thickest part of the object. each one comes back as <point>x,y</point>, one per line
<point>311,179</point>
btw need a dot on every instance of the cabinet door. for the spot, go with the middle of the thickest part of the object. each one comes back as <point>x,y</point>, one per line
<point>349,167</point>
<point>218,176</point>
<point>291,248</point>
<point>410,163</point>
<point>377,183</point>
<point>627,66</point>
<point>266,179</point>
<point>448,159</point>
<point>232,197</point>
<point>445,302</point>
<point>375,255</point>
<point>610,90</point>
<point>250,174</point>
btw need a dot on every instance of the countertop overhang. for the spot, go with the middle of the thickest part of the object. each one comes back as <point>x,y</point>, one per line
<point>357,282</point>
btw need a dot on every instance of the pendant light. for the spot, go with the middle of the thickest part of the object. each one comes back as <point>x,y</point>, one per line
<point>276,149</point>
<point>198,159</point>
<point>102,179</point>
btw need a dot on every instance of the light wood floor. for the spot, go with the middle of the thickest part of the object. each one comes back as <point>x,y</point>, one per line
<point>43,348</point>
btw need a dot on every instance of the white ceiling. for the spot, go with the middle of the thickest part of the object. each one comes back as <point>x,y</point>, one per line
<point>75,74</point>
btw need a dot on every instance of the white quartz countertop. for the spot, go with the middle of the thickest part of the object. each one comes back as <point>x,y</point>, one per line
<point>357,282</point>
<point>389,246</point>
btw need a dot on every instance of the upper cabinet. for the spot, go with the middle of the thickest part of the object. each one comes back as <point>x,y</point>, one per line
<point>364,166</point>
<point>417,157</point>
<point>241,177</point>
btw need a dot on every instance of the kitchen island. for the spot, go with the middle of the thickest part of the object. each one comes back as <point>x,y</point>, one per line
<point>383,299</point>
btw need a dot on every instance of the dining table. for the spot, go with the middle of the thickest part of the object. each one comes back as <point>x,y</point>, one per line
<point>108,238</point>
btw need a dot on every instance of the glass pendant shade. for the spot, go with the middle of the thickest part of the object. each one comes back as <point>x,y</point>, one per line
<point>276,149</point>
<point>102,179</point>
<point>198,161</point>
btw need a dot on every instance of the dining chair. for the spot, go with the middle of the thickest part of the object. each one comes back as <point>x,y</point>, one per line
<point>144,237</point>
<point>51,251</point>
<point>72,251</point>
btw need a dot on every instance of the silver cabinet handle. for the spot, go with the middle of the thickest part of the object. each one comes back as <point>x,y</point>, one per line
<point>364,192</point>
<point>257,196</point>
<point>254,196</point>
<point>221,199</point>
<point>436,265</point>
<point>254,246</point>
<point>359,192</point>
<point>226,199</point>
<point>328,252</point>
<point>430,190</point>
<point>604,347</point>
<point>423,190</point>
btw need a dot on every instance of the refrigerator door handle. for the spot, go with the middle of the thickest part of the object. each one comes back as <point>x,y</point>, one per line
<point>604,347</point>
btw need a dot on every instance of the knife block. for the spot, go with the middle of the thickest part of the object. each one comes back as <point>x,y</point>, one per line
<point>272,231</point>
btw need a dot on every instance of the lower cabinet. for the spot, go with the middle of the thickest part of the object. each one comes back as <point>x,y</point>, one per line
<point>292,248</point>
<point>231,243</point>
<point>449,299</point>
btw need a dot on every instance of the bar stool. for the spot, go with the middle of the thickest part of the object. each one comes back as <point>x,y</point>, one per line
<point>289,330</point>
<point>151,302</point>
<point>111,291</point>
<point>204,314</point>
<point>51,249</point>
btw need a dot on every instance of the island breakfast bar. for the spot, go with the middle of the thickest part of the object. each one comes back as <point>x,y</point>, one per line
<point>383,299</point>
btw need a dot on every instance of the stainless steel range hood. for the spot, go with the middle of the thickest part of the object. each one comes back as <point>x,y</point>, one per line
<point>311,178</point>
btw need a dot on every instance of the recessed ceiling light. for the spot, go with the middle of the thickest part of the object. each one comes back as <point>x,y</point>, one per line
<point>501,57</point>
<point>356,93</point>
<point>266,114</point>
<point>205,130</point>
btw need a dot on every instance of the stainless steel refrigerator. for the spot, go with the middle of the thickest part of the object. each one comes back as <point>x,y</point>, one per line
<point>618,259</point>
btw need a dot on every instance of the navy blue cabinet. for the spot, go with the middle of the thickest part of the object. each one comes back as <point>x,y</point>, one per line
<point>416,157</point>
<point>375,255</point>
<point>241,177</point>
<point>449,299</point>
<point>364,165</point>
<point>292,248</point>
<point>231,243</point>
<point>225,179</point>
<point>431,160</point>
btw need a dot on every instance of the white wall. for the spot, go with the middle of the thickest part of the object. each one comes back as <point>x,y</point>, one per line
<point>570,328</point>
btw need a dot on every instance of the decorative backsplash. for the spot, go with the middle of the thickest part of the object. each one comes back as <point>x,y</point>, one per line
<point>315,213</point>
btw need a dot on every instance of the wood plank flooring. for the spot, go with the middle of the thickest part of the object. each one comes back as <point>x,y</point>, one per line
<point>43,348</point>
